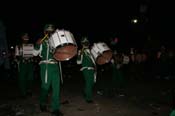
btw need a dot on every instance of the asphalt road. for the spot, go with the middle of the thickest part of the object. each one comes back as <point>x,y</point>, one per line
<point>143,97</point>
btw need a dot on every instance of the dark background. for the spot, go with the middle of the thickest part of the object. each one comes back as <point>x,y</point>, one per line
<point>99,20</point>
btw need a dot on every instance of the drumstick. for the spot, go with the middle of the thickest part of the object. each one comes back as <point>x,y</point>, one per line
<point>44,37</point>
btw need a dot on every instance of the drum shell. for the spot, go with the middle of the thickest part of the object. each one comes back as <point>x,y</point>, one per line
<point>63,44</point>
<point>101,53</point>
<point>26,50</point>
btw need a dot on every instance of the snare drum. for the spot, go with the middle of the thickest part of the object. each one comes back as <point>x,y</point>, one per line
<point>126,59</point>
<point>63,44</point>
<point>26,50</point>
<point>101,53</point>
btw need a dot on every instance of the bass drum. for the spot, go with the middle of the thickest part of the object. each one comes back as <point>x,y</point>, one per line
<point>101,53</point>
<point>63,44</point>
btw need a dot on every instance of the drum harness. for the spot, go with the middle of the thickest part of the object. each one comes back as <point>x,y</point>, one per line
<point>49,61</point>
<point>25,60</point>
<point>87,52</point>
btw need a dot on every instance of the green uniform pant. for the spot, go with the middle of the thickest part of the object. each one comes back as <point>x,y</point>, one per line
<point>53,81</point>
<point>118,79</point>
<point>89,83</point>
<point>172,113</point>
<point>25,77</point>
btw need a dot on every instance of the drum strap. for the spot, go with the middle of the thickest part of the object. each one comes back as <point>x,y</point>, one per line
<point>61,76</point>
<point>38,52</point>
<point>89,68</point>
<point>80,57</point>
<point>46,73</point>
<point>17,51</point>
<point>47,62</point>
<point>89,54</point>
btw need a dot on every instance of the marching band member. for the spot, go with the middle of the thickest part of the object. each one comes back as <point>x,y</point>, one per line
<point>50,73</point>
<point>172,113</point>
<point>118,62</point>
<point>113,70</point>
<point>88,69</point>
<point>25,65</point>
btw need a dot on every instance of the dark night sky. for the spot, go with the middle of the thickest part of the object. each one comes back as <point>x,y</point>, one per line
<point>98,20</point>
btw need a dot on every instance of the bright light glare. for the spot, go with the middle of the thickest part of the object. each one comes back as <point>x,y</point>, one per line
<point>134,21</point>
<point>11,47</point>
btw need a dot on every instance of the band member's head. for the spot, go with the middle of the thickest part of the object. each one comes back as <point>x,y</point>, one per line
<point>49,29</point>
<point>25,37</point>
<point>85,42</point>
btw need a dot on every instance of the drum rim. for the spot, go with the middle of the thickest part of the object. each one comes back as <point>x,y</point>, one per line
<point>102,54</point>
<point>65,44</point>
<point>71,56</point>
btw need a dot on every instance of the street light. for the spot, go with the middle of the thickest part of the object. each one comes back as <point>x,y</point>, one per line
<point>135,21</point>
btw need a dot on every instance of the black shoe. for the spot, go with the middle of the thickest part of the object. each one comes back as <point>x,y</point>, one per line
<point>89,101</point>
<point>43,108</point>
<point>65,102</point>
<point>57,113</point>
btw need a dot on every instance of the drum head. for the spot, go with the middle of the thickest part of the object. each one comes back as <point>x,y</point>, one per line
<point>65,52</point>
<point>104,58</point>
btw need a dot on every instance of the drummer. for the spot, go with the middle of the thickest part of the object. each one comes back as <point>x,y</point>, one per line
<point>50,73</point>
<point>88,69</point>
<point>25,65</point>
